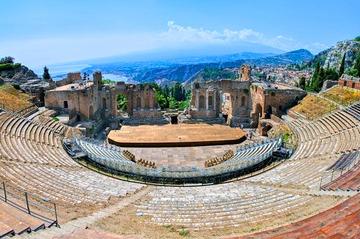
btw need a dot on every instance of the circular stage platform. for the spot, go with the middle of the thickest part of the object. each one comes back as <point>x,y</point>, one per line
<point>178,135</point>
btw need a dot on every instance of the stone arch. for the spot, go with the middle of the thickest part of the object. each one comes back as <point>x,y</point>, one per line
<point>201,102</point>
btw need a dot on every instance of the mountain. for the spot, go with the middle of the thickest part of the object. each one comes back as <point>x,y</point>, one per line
<point>332,57</point>
<point>184,69</point>
<point>16,73</point>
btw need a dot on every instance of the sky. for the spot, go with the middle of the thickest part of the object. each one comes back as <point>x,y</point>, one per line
<point>43,32</point>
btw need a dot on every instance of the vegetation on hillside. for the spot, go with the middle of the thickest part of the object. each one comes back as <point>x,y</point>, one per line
<point>217,74</point>
<point>319,76</point>
<point>313,107</point>
<point>343,95</point>
<point>107,81</point>
<point>13,99</point>
<point>7,63</point>
<point>355,69</point>
<point>357,38</point>
<point>174,97</point>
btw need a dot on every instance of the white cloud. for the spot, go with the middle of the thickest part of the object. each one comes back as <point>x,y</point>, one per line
<point>179,33</point>
<point>56,49</point>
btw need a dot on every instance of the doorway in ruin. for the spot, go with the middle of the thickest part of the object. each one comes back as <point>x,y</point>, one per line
<point>138,103</point>
<point>174,119</point>
<point>226,103</point>
<point>202,102</point>
<point>258,114</point>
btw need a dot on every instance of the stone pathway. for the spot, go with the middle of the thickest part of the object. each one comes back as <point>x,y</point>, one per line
<point>82,223</point>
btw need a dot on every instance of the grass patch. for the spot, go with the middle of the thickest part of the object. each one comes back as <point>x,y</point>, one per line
<point>287,135</point>
<point>184,232</point>
<point>313,107</point>
<point>343,95</point>
<point>13,99</point>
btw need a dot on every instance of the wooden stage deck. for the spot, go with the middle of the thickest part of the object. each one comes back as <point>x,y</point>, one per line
<point>180,135</point>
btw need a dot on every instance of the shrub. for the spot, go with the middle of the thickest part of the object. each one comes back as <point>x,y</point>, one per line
<point>184,232</point>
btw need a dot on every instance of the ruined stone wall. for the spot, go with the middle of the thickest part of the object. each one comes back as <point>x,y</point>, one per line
<point>349,81</point>
<point>245,71</point>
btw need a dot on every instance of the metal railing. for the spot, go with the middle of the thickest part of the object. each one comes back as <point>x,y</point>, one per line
<point>332,175</point>
<point>31,204</point>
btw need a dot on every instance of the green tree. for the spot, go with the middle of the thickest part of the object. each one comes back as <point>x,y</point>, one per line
<point>342,66</point>
<point>315,78</point>
<point>7,60</point>
<point>357,65</point>
<point>122,102</point>
<point>302,83</point>
<point>178,92</point>
<point>46,75</point>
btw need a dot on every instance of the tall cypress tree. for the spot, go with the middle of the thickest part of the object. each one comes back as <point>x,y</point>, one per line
<point>315,77</point>
<point>46,75</point>
<point>357,64</point>
<point>342,66</point>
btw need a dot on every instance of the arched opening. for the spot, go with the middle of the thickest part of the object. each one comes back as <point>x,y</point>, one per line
<point>268,112</point>
<point>226,105</point>
<point>122,102</point>
<point>201,102</point>
<point>259,110</point>
<point>210,102</point>
<point>104,103</point>
<point>66,104</point>
<point>257,115</point>
<point>243,101</point>
<point>146,103</point>
<point>138,103</point>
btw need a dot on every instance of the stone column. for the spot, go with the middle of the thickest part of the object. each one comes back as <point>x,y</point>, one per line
<point>197,100</point>
<point>207,99</point>
<point>214,100</point>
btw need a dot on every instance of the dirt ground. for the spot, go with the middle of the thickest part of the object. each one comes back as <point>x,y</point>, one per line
<point>127,223</point>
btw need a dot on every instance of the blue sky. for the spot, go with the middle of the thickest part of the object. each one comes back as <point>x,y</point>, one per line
<point>43,32</point>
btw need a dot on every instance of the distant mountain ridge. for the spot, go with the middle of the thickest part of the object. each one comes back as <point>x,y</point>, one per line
<point>181,71</point>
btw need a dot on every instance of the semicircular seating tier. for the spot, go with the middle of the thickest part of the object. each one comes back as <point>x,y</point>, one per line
<point>324,163</point>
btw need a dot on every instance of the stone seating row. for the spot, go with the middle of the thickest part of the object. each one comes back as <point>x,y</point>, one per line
<point>13,221</point>
<point>53,124</point>
<point>320,144</point>
<point>348,181</point>
<point>323,127</point>
<point>217,206</point>
<point>354,110</point>
<point>58,184</point>
<point>346,161</point>
<point>29,163</point>
<point>341,221</point>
